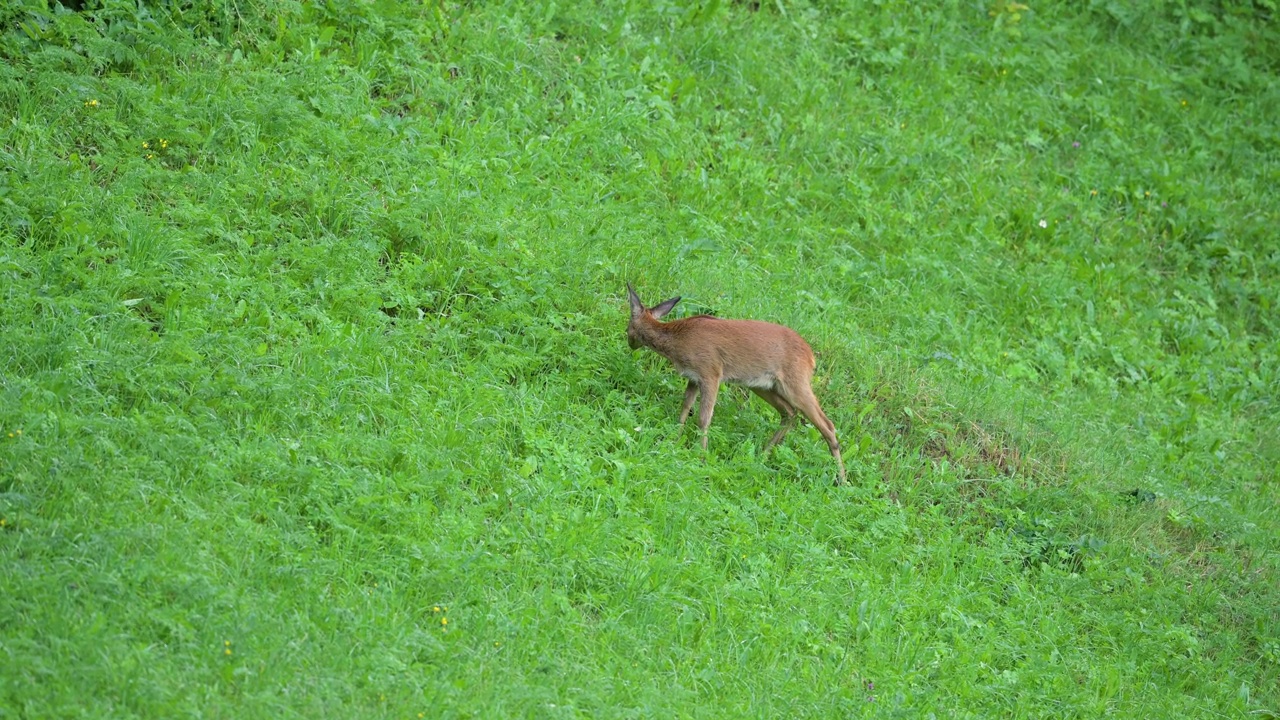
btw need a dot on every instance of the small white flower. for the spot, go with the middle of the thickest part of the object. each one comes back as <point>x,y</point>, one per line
<point>1044,223</point>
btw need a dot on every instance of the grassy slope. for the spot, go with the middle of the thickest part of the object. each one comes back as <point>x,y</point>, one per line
<point>337,355</point>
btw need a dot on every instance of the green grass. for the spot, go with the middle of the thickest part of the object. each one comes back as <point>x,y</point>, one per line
<point>311,323</point>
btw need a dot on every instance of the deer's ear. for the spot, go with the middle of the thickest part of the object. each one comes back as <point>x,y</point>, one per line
<point>664,307</point>
<point>637,307</point>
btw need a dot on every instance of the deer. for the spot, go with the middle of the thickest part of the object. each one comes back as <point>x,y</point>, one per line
<point>771,360</point>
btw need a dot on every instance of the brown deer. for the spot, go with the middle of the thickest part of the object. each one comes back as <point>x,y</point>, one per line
<point>772,360</point>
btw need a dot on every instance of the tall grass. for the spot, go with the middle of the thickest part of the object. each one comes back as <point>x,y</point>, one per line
<point>315,397</point>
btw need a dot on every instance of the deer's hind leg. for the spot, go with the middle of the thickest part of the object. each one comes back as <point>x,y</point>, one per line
<point>806,402</point>
<point>784,409</point>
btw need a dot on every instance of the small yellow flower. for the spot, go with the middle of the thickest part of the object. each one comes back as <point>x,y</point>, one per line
<point>226,651</point>
<point>1146,194</point>
<point>164,144</point>
<point>227,643</point>
<point>145,144</point>
<point>17,432</point>
<point>91,103</point>
<point>444,621</point>
<point>149,156</point>
<point>435,609</point>
<point>1093,193</point>
<point>10,434</point>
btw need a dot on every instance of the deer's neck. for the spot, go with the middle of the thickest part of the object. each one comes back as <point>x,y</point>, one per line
<point>664,338</point>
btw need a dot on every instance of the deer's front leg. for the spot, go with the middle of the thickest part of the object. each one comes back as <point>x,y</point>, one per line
<point>708,405</point>
<point>690,393</point>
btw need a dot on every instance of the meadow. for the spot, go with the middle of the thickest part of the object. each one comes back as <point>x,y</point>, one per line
<point>315,399</point>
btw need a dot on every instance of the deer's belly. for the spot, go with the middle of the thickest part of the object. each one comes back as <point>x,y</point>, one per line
<point>763,381</point>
